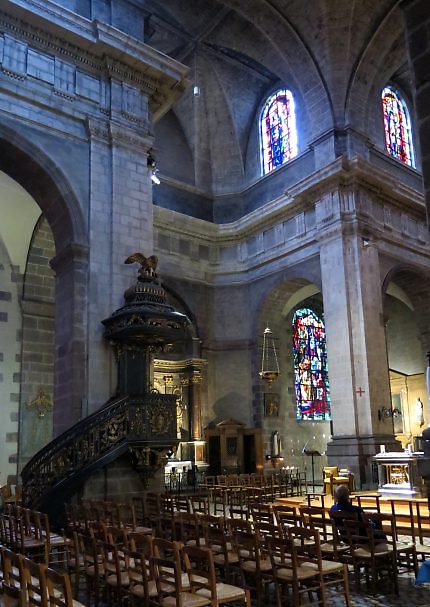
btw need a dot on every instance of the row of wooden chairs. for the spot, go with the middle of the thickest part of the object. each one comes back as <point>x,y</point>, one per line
<point>28,532</point>
<point>252,549</point>
<point>411,517</point>
<point>284,483</point>
<point>80,517</point>
<point>152,571</point>
<point>27,583</point>
<point>358,546</point>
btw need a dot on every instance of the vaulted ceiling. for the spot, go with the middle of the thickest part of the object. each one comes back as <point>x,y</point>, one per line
<point>335,56</point>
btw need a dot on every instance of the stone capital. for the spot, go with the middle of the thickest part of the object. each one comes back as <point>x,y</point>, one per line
<point>73,253</point>
<point>122,136</point>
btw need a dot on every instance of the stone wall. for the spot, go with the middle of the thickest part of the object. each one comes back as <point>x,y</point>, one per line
<point>37,358</point>
<point>10,358</point>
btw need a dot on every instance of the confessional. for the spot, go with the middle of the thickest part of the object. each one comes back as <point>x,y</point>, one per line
<point>233,448</point>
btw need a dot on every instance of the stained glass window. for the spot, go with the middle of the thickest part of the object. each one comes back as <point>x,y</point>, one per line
<point>397,125</point>
<point>310,367</point>
<point>278,131</point>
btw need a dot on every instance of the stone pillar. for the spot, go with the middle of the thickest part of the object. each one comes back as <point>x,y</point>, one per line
<point>70,371</point>
<point>195,405</point>
<point>120,218</point>
<point>417,17</point>
<point>356,350</point>
<point>417,27</point>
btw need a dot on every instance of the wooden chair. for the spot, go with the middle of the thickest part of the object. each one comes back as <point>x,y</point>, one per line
<point>372,553</point>
<point>332,573</point>
<point>8,496</point>
<point>405,550</point>
<point>142,587</point>
<point>261,513</point>
<point>286,516</point>
<point>34,586</point>
<point>217,540</point>
<point>59,589</point>
<point>170,550</point>
<point>402,512</point>
<point>254,564</point>
<point>75,561</point>
<point>199,504</point>
<point>12,597</point>
<point>139,510</point>
<point>153,510</point>
<point>264,532</point>
<point>289,570</point>
<point>13,568</point>
<point>140,542</point>
<point>93,569</point>
<point>367,502</point>
<point>421,528</point>
<point>170,593</point>
<point>218,498</point>
<point>34,545</point>
<point>341,546</point>
<point>114,572</point>
<point>187,528</point>
<point>332,479</point>
<point>200,568</point>
<point>181,503</point>
<point>318,519</point>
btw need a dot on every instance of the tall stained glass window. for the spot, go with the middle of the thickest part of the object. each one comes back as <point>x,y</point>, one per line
<point>310,367</point>
<point>278,133</point>
<point>397,125</point>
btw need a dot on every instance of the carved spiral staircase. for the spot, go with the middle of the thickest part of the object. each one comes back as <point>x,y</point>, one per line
<point>140,422</point>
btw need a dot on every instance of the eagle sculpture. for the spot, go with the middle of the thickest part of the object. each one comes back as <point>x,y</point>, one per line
<point>148,265</point>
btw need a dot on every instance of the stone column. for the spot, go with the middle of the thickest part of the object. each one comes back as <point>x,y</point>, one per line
<point>356,350</point>
<point>70,371</point>
<point>120,219</point>
<point>195,405</point>
<point>417,27</point>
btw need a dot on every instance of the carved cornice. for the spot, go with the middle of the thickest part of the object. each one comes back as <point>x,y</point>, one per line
<point>98,47</point>
<point>128,138</point>
<point>110,133</point>
<point>179,365</point>
<point>347,196</point>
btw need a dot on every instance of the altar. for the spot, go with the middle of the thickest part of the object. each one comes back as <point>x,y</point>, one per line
<point>398,474</point>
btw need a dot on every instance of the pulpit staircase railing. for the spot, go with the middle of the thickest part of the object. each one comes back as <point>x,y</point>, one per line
<point>143,426</point>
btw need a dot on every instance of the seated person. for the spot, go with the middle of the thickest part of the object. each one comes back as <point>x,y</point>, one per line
<point>343,504</point>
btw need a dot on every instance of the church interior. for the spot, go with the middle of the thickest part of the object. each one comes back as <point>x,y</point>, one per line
<point>214,246</point>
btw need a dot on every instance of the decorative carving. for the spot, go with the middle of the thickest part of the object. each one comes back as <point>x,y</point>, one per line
<point>41,403</point>
<point>161,421</point>
<point>148,265</point>
<point>138,423</point>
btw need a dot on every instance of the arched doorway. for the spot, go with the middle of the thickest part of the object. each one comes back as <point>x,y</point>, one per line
<point>51,230</point>
<point>298,436</point>
<point>406,303</point>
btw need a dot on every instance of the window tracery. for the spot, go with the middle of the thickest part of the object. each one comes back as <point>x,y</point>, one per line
<point>278,132</point>
<point>310,367</point>
<point>397,127</point>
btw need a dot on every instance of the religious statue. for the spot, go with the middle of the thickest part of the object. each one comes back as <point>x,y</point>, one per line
<point>276,446</point>
<point>419,408</point>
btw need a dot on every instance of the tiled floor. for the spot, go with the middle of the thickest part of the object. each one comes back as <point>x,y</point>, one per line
<point>409,596</point>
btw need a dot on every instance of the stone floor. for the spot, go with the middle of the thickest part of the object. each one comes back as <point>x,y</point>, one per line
<point>409,596</point>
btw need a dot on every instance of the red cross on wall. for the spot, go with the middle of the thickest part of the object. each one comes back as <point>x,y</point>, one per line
<point>360,391</point>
